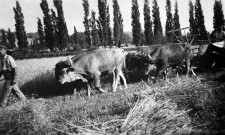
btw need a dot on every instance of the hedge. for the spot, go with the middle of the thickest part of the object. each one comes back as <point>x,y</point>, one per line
<point>35,55</point>
<point>19,56</point>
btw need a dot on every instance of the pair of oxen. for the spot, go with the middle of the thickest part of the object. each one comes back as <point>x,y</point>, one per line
<point>90,65</point>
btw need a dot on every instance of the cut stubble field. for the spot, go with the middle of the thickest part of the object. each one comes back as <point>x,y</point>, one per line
<point>31,68</point>
<point>193,105</point>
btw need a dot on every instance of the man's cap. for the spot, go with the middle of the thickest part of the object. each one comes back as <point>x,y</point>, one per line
<point>4,47</point>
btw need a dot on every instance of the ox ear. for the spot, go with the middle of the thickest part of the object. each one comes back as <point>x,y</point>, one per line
<point>149,56</point>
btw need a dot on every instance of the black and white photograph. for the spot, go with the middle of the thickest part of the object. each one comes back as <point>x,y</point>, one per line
<point>112,67</point>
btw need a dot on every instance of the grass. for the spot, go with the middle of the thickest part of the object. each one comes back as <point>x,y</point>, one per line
<point>193,105</point>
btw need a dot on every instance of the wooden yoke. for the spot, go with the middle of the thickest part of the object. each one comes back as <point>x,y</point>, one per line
<point>173,31</point>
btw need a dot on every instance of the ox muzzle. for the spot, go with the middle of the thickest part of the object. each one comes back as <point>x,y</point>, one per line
<point>64,75</point>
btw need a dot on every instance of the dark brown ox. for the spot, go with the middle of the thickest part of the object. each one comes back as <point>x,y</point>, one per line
<point>91,65</point>
<point>171,55</point>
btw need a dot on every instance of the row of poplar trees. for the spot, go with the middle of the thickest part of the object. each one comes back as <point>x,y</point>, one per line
<point>153,28</point>
<point>53,32</point>
<point>97,30</point>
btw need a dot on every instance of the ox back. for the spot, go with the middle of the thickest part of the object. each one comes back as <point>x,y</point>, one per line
<point>171,54</point>
<point>147,49</point>
<point>104,60</point>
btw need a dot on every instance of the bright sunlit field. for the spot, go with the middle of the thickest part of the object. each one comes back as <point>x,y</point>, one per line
<point>31,68</point>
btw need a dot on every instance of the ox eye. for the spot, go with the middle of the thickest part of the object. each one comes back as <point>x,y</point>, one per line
<point>64,71</point>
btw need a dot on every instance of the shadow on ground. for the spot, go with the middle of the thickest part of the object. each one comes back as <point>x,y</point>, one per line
<point>44,86</point>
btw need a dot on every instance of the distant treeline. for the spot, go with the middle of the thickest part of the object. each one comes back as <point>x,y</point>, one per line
<point>52,32</point>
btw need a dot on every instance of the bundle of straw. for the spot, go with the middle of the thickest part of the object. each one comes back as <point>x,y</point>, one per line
<point>149,116</point>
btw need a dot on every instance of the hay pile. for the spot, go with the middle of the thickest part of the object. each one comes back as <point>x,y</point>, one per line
<point>24,118</point>
<point>148,116</point>
<point>151,114</point>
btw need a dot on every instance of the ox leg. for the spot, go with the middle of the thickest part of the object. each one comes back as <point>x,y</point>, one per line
<point>188,67</point>
<point>97,83</point>
<point>117,80</point>
<point>156,76</point>
<point>178,71</point>
<point>159,72</point>
<point>177,74</point>
<point>74,91</point>
<point>166,76</point>
<point>124,79</point>
<point>114,79</point>
<point>165,73</point>
<point>193,71</point>
<point>88,90</point>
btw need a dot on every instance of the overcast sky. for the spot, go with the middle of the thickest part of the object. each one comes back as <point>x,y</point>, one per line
<point>73,12</point>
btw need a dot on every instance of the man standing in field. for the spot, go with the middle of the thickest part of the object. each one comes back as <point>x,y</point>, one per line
<point>8,68</point>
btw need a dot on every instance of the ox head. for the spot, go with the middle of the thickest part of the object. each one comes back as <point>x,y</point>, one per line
<point>148,65</point>
<point>62,69</point>
<point>186,45</point>
<point>147,58</point>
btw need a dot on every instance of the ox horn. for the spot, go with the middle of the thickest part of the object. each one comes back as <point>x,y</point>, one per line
<point>149,56</point>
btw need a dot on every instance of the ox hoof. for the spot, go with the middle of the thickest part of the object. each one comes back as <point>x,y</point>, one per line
<point>88,94</point>
<point>100,90</point>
